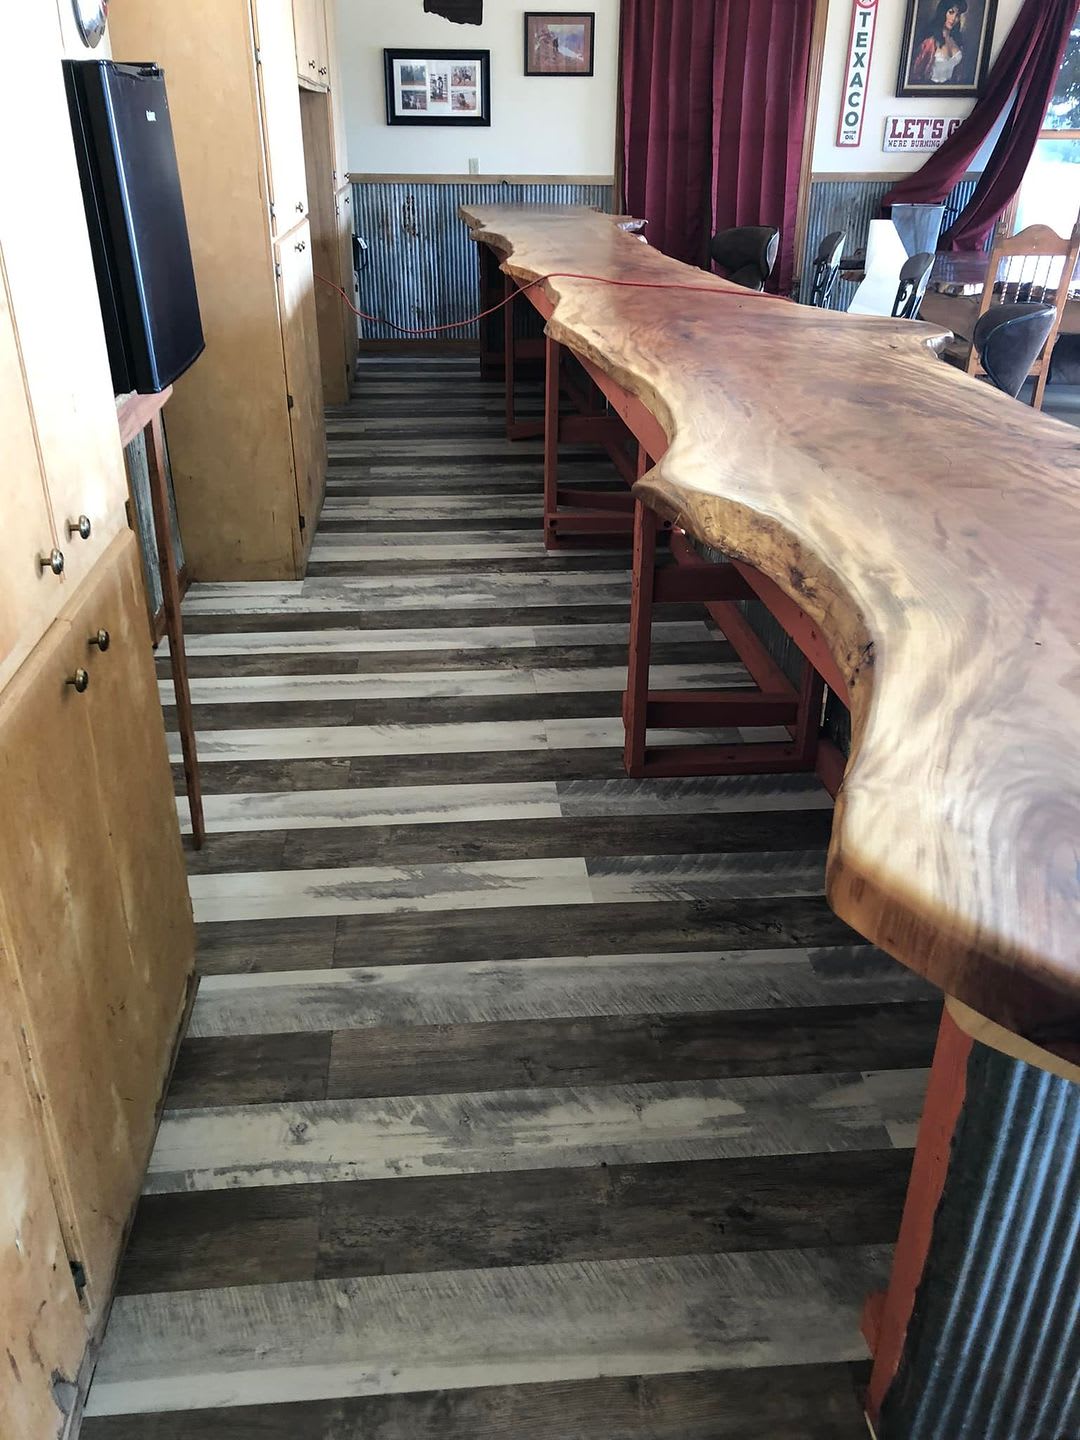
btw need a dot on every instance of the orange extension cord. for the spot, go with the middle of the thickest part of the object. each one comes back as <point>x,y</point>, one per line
<point>739,294</point>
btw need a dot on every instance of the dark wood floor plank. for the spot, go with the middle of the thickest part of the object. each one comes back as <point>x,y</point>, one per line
<point>423,613</point>
<point>243,947</point>
<point>385,662</point>
<point>250,1070</point>
<point>607,1050</point>
<point>534,1217</point>
<point>343,845</point>
<point>615,929</point>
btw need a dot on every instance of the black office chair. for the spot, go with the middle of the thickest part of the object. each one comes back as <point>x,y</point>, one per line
<point>827,268</point>
<point>914,274</point>
<point>1008,339</point>
<point>746,254</point>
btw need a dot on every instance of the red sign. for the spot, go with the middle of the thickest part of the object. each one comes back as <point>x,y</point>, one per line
<point>857,73</point>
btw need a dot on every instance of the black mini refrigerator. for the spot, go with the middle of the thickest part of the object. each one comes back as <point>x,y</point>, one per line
<point>135,214</point>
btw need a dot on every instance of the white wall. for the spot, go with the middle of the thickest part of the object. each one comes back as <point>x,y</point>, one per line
<point>881,100</point>
<point>562,125</point>
<point>72,41</point>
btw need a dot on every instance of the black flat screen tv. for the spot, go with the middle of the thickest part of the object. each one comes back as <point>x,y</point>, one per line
<point>135,214</point>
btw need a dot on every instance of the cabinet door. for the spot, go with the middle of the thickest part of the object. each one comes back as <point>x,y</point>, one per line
<point>312,65</point>
<point>29,596</point>
<point>280,105</point>
<point>337,97</point>
<point>53,296</point>
<point>42,1328</point>
<point>300,336</point>
<point>139,808</point>
<point>97,1004</point>
<point>64,934</point>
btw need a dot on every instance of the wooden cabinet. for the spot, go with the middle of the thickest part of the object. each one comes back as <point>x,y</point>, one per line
<point>29,595</point>
<point>280,111</point>
<point>95,923</point>
<point>299,328</point>
<point>233,439</point>
<point>42,1326</point>
<point>312,57</point>
<point>63,461</point>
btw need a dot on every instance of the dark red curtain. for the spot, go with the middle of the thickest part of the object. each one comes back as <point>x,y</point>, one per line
<point>1026,68</point>
<point>714,97</point>
<point>760,61</point>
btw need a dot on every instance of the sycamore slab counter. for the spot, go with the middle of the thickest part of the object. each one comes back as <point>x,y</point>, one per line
<point>931,527</point>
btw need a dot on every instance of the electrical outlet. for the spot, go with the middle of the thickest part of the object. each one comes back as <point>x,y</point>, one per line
<point>474,165</point>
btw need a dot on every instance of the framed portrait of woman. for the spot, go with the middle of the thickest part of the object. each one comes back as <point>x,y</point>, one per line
<point>946,49</point>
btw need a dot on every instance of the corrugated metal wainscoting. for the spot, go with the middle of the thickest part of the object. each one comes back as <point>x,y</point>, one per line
<point>993,1351</point>
<point>422,267</point>
<point>850,205</point>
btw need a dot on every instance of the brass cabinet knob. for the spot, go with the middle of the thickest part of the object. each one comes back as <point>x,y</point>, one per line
<point>102,640</point>
<point>80,527</point>
<point>54,561</point>
<point>80,681</point>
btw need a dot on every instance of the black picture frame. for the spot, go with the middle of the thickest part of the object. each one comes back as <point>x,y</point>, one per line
<point>430,107</point>
<point>563,17</point>
<point>918,53</point>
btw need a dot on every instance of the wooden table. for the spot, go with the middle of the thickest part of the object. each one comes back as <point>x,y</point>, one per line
<point>928,528</point>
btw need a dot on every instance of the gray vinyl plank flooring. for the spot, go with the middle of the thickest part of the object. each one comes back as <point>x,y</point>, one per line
<point>519,1099</point>
<point>317,1141</point>
<point>458,1329</point>
<point>405,805</point>
<point>549,987</point>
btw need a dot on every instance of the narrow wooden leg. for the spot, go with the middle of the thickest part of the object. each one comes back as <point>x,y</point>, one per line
<point>509,293</point>
<point>886,1316</point>
<point>808,716</point>
<point>174,623</point>
<point>636,698</point>
<point>552,357</point>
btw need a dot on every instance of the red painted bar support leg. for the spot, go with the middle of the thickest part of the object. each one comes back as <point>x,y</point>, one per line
<point>552,355</point>
<point>509,292</point>
<point>886,1316</point>
<point>636,698</point>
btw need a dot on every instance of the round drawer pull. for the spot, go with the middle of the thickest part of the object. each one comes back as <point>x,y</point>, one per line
<point>300,245</point>
<point>300,206</point>
<point>102,640</point>
<point>54,561</point>
<point>80,527</point>
<point>80,681</point>
<point>311,64</point>
<point>322,69</point>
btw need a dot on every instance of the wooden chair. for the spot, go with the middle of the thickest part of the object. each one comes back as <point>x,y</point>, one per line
<point>1037,265</point>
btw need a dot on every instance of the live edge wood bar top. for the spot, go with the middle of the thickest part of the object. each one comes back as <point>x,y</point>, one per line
<point>931,527</point>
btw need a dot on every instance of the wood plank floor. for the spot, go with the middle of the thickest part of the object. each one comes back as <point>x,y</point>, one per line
<point>520,1101</point>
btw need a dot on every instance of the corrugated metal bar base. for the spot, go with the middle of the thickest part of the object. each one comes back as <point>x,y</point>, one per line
<point>422,268</point>
<point>993,1350</point>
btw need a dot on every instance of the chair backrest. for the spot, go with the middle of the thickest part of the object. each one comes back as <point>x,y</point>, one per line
<point>914,273</point>
<point>1036,266</point>
<point>827,268</point>
<point>746,253</point>
<point>1008,339</point>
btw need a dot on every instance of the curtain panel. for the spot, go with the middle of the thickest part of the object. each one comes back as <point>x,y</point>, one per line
<point>714,102</point>
<point>1021,80</point>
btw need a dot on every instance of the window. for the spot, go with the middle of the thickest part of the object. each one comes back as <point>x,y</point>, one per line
<point>1050,194</point>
